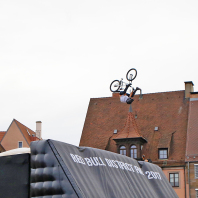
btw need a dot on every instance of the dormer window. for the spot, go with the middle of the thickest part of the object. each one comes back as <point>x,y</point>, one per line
<point>129,140</point>
<point>122,150</point>
<point>163,153</point>
<point>134,151</point>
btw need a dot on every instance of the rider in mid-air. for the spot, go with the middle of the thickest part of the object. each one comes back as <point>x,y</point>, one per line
<point>118,84</point>
<point>127,98</point>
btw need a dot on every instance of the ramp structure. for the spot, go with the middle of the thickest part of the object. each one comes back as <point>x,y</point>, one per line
<point>60,170</point>
<point>15,176</point>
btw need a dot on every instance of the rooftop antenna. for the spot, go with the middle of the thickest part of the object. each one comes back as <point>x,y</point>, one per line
<point>130,108</point>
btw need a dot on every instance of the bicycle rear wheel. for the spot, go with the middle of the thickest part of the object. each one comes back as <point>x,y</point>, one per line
<point>115,85</point>
<point>131,74</point>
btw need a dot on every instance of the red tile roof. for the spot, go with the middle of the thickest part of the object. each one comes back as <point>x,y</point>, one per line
<point>166,110</point>
<point>2,133</point>
<point>165,140</point>
<point>192,132</point>
<point>27,132</point>
<point>130,129</point>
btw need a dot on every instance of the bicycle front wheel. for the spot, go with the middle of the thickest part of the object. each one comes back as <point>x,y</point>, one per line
<point>131,74</point>
<point>115,85</point>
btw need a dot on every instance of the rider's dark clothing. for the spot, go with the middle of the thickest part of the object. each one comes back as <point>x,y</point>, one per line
<point>125,90</point>
<point>126,98</point>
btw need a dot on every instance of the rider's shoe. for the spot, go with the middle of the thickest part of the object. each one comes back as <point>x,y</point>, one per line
<point>132,100</point>
<point>129,100</point>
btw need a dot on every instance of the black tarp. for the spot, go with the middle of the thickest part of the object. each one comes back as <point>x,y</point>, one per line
<point>15,176</point>
<point>93,173</point>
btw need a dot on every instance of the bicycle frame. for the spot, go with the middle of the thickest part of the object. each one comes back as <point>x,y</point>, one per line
<point>120,84</point>
<point>123,84</point>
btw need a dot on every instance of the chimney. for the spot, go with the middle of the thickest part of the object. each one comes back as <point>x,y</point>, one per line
<point>188,88</point>
<point>38,129</point>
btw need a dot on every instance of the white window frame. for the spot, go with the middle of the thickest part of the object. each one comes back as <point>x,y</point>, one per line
<point>21,143</point>
<point>174,179</point>
<point>196,171</point>
<point>133,151</point>
<point>196,192</point>
<point>162,149</point>
<point>122,150</point>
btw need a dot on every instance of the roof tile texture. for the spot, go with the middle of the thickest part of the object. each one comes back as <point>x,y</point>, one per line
<point>167,110</point>
<point>130,129</point>
<point>2,133</point>
<point>25,131</point>
<point>192,134</point>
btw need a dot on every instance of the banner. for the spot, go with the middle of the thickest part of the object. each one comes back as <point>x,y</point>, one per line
<point>103,174</point>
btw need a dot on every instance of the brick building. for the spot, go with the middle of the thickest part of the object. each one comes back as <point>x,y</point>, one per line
<point>18,136</point>
<point>157,127</point>
<point>192,146</point>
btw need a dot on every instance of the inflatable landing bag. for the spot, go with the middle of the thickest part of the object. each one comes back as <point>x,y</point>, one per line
<point>15,176</point>
<point>60,170</point>
<point>48,177</point>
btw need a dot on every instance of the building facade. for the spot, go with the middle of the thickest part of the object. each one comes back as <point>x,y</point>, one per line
<point>192,146</point>
<point>18,136</point>
<point>153,128</point>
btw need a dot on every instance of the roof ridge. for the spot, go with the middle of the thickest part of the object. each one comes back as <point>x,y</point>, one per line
<point>134,125</point>
<point>23,125</point>
<point>136,129</point>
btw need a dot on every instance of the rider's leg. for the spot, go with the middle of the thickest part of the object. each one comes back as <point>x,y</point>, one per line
<point>133,92</point>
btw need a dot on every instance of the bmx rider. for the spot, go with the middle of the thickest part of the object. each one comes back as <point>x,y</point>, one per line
<point>127,98</point>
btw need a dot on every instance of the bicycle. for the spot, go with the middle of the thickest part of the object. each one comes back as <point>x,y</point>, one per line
<point>118,85</point>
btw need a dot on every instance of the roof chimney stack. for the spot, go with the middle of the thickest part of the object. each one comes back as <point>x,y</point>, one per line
<point>188,88</point>
<point>38,129</point>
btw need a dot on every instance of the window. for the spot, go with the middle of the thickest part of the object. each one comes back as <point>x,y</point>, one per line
<point>134,151</point>
<point>196,193</point>
<point>20,144</point>
<point>174,179</point>
<point>122,150</point>
<point>196,170</point>
<point>163,153</point>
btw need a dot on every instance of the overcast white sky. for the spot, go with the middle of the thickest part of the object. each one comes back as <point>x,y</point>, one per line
<point>56,55</point>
